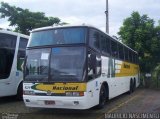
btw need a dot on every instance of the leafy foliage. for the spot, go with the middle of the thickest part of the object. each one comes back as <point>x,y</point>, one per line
<point>139,33</point>
<point>24,20</point>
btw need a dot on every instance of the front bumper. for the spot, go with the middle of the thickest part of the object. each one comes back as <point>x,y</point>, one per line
<point>60,102</point>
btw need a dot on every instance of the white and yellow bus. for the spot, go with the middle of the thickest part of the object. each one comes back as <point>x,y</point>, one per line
<point>76,67</point>
<point>12,54</point>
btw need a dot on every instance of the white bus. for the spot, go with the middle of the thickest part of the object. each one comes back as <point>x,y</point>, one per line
<point>12,54</point>
<point>76,67</point>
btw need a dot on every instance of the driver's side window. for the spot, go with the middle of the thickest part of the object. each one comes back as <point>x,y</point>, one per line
<point>94,65</point>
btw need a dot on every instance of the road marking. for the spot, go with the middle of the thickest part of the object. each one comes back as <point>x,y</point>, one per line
<point>120,105</point>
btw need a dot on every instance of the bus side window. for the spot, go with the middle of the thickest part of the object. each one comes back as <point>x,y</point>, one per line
<point>103,44</point>
<point>21,52</point>
<point>114,50</point>
<point>137,60</point>
<point>94,65</point>
<point>130,55</point>
<point>126,54</point>
<point>108,46</point>
<point>121,51</point>
<point>94,40</point>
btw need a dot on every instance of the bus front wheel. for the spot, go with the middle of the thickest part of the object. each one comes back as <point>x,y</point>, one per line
<point>102,97</point>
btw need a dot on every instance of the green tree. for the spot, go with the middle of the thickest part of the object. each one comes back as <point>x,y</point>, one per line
<point>24,20</point>
<point>139,33</point>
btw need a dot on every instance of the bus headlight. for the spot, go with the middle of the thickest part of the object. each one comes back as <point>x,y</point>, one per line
<point>27,92</point>
<point>69,94</point>
<point>75,94</point>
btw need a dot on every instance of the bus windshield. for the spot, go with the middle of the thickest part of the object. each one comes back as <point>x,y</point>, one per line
<point>67,64</point>
<point>61,64</point>
<point>37,64</point>
<point>57,36</point>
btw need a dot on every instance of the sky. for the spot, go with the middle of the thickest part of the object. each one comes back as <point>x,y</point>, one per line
<point>90,12</point>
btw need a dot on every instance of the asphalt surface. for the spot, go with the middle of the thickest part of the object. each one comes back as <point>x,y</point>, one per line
<point>143,103</point>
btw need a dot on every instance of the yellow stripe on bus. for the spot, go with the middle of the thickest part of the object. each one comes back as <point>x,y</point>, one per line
<point>127,69</point>
<point>61,87</point>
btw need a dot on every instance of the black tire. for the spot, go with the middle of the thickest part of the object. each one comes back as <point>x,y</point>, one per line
<point>102,97</point>
<point>20,92</point>
<point>131,87</point>
<point>134,85</point>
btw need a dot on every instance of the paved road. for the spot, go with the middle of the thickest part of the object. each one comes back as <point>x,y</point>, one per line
<point>141,101</point>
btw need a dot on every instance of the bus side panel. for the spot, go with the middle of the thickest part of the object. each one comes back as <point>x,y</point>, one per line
<point>10,85</point>
<point>7,86</point>
<point>118,75</point>
<point>93,88</point>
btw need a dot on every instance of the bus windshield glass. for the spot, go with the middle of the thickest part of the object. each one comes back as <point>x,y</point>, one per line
<point>60,64</point>
<point>37,65</point>
<point>67,64</point>
<point>57,36</point>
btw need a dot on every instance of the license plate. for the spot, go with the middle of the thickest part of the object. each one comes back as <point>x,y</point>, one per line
<point>48,102</point>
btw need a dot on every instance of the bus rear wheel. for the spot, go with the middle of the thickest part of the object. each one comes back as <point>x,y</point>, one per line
<point>134,85</point>
<point>131,89</point>
<point>102,97</point>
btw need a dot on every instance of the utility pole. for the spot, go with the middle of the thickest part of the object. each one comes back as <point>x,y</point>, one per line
<point>107,17</point>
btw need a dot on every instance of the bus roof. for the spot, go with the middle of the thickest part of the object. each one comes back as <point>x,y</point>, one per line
<point>13,33</point>
<point>56,26</point>
<point>83,25</point>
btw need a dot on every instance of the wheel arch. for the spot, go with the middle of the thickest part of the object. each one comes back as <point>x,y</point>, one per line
<point>107,88</point>
<point>19,94</point>
<point>19,84</point>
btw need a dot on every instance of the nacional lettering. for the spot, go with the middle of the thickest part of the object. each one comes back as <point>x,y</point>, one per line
<point>65,88</point>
